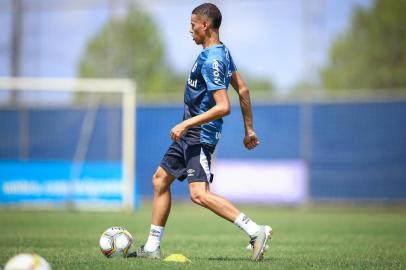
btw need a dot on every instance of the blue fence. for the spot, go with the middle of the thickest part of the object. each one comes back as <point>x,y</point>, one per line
<point>355,151</point>
<point>359,151</point>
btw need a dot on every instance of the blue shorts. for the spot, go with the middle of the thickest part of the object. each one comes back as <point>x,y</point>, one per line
<point>189,161</point>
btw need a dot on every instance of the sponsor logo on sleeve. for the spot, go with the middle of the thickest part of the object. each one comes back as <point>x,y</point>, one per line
<point>194,67</point>
<point>216,71</point>
<point>192,83</point>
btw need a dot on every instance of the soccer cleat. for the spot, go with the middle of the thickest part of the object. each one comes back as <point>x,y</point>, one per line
<point>141,253</point>
<point>258,242</point>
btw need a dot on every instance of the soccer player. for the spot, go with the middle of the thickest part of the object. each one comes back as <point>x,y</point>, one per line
<point>194,139</point>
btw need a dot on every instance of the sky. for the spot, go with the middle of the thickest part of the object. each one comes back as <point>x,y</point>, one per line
<point>285,41</point>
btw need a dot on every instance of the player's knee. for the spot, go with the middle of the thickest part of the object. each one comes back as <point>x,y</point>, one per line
<point>159,183</point>
<point>198,197</point>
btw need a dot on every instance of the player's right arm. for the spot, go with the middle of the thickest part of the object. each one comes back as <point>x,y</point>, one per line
<point>250,139</point>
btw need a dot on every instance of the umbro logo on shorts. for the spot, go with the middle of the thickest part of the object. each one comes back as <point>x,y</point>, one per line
<point>190,172</point>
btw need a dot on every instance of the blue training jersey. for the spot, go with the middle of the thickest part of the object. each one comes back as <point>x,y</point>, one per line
<point>212,71</point>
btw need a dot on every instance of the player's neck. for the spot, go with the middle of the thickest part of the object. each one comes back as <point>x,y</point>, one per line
<point>212,39</point>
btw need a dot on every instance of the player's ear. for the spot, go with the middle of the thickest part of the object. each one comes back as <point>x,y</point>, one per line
<point>205,25</point>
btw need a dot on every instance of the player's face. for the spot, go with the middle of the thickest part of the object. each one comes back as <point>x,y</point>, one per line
<point>197,29</point>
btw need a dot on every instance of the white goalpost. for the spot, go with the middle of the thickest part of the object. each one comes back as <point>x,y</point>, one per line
<point>124,87</point>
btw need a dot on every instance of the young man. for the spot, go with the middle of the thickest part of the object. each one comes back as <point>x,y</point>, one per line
<point>194,139</point>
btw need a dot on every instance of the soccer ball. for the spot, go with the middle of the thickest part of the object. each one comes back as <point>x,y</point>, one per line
<point>26,261</point>
<point>115,242</point>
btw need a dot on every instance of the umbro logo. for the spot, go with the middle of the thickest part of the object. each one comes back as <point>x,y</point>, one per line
<point>154,233</point>
<point>190,172</point>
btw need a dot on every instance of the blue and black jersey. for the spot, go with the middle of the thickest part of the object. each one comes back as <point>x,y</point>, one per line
<point>212,71</point>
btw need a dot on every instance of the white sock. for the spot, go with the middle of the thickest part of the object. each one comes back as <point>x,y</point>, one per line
<point>154,238</point>
<point>246,224</point>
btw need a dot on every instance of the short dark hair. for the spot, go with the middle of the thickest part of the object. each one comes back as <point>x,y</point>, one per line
<point>211,11</point>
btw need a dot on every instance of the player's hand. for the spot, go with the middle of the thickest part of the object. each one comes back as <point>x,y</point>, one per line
<point>251,140</point>
<point>178,131</point>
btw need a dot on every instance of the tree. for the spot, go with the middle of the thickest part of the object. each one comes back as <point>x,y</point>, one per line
<point>372,53</point>
<point>129,47</point>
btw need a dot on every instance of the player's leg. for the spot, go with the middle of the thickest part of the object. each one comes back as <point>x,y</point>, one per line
<point>161,205</point>
<point>259,234</point>
<point>201,195</point>
<point>198,164</point>
<point>172,166</point>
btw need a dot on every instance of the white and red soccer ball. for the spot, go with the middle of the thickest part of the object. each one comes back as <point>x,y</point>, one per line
<point>116,242</point>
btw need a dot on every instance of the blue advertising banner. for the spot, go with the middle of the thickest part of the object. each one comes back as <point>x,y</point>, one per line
<point>52,182</point>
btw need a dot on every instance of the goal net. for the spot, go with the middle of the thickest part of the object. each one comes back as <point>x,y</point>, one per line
<point>68,142</point>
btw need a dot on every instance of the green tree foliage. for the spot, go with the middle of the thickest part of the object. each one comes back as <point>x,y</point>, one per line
<point>130,47</point>
<point>372,53</point>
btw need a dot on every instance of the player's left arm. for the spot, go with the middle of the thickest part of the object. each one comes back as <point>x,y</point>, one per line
<point>250,139</point>
<point>221,109</point>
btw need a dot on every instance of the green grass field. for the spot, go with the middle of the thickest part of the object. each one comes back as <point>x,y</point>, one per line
<point>322,237</point>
